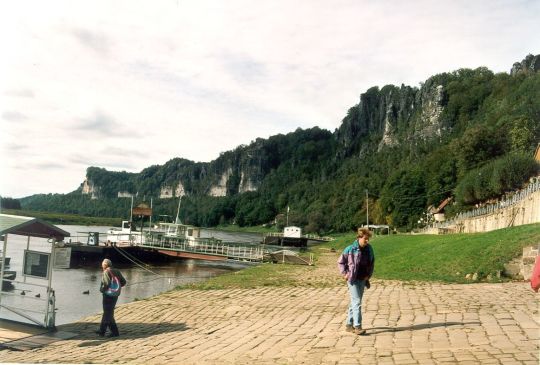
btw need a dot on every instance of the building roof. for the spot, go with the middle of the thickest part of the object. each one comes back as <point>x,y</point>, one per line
<point>441,206</point>
<point>28,226</point>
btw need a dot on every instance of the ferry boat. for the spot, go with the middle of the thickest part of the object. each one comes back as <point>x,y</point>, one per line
<point>175,234</point>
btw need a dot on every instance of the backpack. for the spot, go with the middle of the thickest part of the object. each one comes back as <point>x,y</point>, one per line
<point>115,285</point>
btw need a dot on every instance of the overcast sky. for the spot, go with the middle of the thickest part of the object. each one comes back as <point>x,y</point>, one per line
<point>128,84</point>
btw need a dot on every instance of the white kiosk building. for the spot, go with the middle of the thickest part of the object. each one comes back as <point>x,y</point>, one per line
<point>36,270</point>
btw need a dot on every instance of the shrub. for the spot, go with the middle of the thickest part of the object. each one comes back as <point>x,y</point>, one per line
<point>495,178</point>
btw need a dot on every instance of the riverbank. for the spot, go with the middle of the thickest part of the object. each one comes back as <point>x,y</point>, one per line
<point>280,314</point>
<point>407,323</point>
<point>71,219</point>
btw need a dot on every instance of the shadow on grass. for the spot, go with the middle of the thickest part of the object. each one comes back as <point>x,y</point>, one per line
<point>128,331</point>
<point>377,330</point>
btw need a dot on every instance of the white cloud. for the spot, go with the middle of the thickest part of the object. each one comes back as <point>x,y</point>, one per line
<point>128,84</point>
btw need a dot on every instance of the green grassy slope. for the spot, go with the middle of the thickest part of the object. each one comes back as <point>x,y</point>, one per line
<point>448,258</point>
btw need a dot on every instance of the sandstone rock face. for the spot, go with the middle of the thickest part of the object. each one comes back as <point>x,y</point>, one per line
<point>395,115</point>
<point>529,65</point>
<point>171,192</point>
<point>246,184</point>
<point>89,188</point>
<point>220,189</point>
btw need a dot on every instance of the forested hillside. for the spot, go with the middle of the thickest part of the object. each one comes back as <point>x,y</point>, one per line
<point>468,134</point>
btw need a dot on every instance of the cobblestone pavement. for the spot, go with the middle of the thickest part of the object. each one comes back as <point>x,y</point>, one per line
<point>422,323</point>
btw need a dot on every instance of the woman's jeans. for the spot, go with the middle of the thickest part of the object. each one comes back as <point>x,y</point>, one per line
<point>356,290</point>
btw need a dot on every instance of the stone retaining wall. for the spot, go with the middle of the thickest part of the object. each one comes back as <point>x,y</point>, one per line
<point>528,260</point>
<point>526,211</point>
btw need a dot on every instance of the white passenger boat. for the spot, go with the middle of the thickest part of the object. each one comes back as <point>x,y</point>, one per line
<point>179,234</point>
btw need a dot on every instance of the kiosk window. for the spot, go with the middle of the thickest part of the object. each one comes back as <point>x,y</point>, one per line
<point>36,264</point>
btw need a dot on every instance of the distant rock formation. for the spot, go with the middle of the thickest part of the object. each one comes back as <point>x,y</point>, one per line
<point>529,65</point>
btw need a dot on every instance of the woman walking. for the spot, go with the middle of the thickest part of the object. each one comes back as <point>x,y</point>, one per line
<point>356,265</point>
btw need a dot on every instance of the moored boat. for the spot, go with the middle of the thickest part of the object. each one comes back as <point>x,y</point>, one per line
<point>177,233</point>
<point>291,236</point>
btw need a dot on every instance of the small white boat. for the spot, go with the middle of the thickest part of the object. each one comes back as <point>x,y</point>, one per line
<point>291,236</point>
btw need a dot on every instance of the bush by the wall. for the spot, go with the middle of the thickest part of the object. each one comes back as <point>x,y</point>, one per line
<point>495,178</point>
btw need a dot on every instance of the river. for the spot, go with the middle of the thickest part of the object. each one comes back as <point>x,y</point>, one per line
<point>71,284</point>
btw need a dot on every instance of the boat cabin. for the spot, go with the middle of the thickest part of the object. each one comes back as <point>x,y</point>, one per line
<point>292,232</point>
<point>180,230</point>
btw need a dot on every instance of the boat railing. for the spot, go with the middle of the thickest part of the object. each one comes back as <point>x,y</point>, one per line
<point>207,246</point>
<point>309,236</point>
<point>314,237</point>
<point>273,234</point>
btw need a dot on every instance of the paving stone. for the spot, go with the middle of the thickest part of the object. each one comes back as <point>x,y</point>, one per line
<point>425,323</point>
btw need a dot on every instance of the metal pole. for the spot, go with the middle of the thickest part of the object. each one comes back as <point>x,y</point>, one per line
<point>50,313</point>
<point>131,212</point>
<point>27,248</point>
<point>178,211</point>
<point>3,267</point>
<point>130,219</point>
<point>367,209</point>
<point>151,205</point>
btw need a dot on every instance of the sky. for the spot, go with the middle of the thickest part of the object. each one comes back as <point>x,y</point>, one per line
<point>124,85</point>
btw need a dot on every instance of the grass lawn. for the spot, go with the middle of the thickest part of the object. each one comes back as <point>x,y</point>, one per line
<point>448,258</point>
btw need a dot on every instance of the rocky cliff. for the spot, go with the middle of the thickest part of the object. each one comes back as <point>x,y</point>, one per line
<point>530,64</point>
<point>383,118</point>
<point>393,115</point>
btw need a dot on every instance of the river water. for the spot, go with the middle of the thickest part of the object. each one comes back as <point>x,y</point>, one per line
<point>71,284</point>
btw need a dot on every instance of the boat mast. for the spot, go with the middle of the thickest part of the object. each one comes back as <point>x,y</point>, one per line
<point>130,217</point>
<point>131,210</point>
<point>178,212</point>
<point>151,204</point>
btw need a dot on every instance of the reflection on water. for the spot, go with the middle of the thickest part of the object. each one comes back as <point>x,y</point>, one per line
<point>77,289</point>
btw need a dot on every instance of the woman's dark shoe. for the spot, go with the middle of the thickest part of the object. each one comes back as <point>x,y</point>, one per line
<point>359,331</point>
<point>99,333</point>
